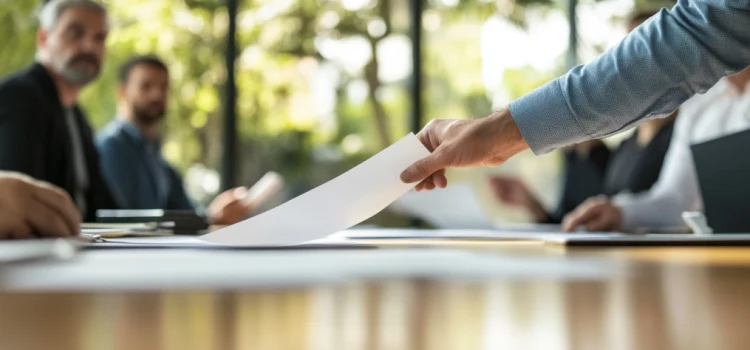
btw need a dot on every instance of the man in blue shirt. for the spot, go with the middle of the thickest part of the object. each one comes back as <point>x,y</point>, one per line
<point>130,151</point>
<point>666,60</point>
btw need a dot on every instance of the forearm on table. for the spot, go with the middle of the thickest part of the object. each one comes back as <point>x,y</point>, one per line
<point>651,211</point>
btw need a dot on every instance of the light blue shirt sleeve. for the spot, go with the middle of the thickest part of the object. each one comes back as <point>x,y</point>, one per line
<point>665,61</point>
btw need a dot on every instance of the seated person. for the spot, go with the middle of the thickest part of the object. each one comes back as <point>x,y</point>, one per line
<point>584,167</point>
<point>43,132</point>
<point>35,209</point>
<point>723,110</point>
<point>634,167</point>
<point>589,168</point>
<point>131,158</point>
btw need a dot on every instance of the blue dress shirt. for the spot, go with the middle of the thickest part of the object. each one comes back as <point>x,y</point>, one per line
<point>665,61</point>
<point>136,172</point>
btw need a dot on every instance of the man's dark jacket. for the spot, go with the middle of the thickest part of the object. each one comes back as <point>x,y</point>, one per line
<point>34,137</point>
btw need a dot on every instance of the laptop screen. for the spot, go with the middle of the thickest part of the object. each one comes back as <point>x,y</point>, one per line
<point>723,168</point>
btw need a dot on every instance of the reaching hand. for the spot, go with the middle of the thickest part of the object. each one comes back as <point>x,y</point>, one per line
<point>31,209</point>
<point>597,214</point>
<point>488,141</point>
<point>511,191</point>
<point>229,207</point>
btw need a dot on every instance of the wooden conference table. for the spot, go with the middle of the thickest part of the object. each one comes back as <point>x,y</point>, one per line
<point>653,298</point>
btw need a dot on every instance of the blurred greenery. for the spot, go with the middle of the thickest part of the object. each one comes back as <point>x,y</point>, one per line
<point>18,28</point>
<point>282,48</point>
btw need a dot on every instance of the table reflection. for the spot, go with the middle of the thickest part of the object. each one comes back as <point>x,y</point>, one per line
<point>666,307</point>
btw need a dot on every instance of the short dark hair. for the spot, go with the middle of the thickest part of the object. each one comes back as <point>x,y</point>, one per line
<point>148,60</point>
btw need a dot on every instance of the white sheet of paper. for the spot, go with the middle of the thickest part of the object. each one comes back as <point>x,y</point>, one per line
<point>119,226</point>
<point>48,248</point>
<point>528,227</point>
<point>196,242</point>
<point>440,234</point>
<point>336,205</point>
<point>454,207</point>
<point>103,231</point>
<point>162,240</point>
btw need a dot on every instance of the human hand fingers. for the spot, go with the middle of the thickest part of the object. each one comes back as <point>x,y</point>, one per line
<point>47,222</point>
<point>58,204</point>
<point>585,213</point>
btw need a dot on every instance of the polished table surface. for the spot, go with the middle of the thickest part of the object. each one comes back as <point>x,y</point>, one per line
<point>657,298</point>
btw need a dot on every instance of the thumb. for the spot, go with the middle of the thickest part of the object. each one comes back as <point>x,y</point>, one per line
<point>240,192</point>
<point>421,169</point>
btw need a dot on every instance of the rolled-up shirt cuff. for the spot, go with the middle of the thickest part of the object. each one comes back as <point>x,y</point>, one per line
<point>629,211</point>
<point>642,211</point>
<point>545,120</point>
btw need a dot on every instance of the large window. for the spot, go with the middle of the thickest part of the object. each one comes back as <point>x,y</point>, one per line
<point>479,56</point>
<point>188,35</point>
<point>324,84</point>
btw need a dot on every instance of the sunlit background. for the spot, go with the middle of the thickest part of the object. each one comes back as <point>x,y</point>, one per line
<point>324,84</point>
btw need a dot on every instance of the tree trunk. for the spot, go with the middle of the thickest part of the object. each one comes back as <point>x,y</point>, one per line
<point>373,83</point>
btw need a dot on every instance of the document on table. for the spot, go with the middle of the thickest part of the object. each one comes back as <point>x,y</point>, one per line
<point>119,226</point>
<point>469,234</point>
<point>654,239</point>
<point>104,231</point>
<point>334,206</point>
<point>173,241</point>
<point>39,249</point>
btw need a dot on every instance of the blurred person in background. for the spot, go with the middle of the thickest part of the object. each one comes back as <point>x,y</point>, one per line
<point>584,167</point>
<point>132,162</point>
<point>43,132</point>
<point>723,110</point>
<point>590,169</point>
<point>35,209</point>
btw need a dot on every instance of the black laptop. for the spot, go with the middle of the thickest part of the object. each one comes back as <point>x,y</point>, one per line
<point>723,168</point>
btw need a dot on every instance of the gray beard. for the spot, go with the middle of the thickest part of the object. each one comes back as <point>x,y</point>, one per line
<point>76,77</point>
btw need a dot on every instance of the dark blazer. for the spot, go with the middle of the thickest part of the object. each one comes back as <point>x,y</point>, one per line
<point>631,168</point>
<point>634,168</point>
<point>34,138</point>
<point>583,178</point>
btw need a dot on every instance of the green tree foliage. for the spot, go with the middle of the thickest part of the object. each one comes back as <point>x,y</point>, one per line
<point>18,28</point>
